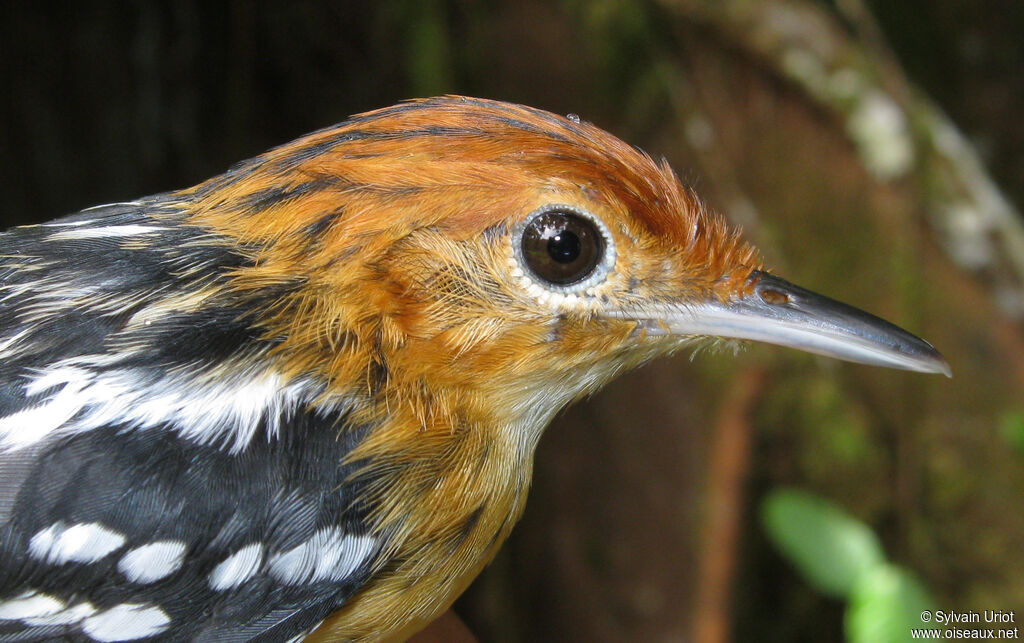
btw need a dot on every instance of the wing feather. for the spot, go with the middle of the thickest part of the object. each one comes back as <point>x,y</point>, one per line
<point>157,474</point>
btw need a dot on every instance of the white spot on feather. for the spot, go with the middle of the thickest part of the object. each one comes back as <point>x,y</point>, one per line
<point>5,344</point>
<point>105,232</point>
<point>107,205</point>
<point>329,555</point>
<point>207,411</point>
<point>126,622</point>
<point>152,562</point>
<point>237,568</point>
<point>70,224</point>
<point>83,543</point>
<point>33,424</point>
<point>30,605</point>
<point>68,616</point>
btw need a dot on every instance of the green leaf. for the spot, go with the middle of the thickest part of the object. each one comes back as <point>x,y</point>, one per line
<point>885,604</point>
<point>831,549</point>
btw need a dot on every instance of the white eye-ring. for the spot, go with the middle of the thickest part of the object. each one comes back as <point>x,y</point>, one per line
<point>563,249</point>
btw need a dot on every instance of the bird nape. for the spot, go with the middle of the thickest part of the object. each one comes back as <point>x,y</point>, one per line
<point>311,387</point>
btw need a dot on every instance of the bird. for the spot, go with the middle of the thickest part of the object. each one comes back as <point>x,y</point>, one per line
<point>312,386</point>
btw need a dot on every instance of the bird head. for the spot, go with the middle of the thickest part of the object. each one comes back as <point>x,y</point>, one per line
<point>504,254</point>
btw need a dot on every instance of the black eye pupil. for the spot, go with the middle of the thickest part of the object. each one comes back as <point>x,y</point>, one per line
<point>564,247</point>
<point>561,247</point>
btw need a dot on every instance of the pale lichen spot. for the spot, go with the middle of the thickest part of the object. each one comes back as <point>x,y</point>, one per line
<point>878,126</point>
<point>699,132</point>
<point>845,83</point>
<point>970,235</point>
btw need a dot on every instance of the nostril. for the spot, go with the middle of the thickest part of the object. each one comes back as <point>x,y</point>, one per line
<point>774,297</point>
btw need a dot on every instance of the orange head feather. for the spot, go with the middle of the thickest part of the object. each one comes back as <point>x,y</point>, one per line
<point>399,222</point>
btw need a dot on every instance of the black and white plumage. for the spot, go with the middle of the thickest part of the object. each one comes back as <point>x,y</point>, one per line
<point>157,479</point>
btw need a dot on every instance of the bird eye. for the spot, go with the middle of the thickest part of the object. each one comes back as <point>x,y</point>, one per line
<point>562,248</point>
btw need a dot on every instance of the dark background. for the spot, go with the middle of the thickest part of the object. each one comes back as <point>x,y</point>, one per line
<point>643,522</point>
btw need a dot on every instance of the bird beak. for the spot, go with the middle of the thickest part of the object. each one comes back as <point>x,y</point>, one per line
<point>778,312</point>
